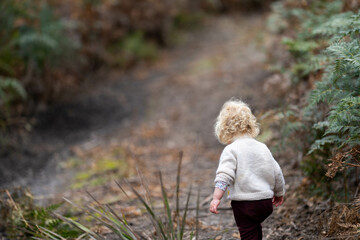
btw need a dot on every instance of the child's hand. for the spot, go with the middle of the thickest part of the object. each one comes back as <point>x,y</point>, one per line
<point>277,201</point>
<point>213,206</point>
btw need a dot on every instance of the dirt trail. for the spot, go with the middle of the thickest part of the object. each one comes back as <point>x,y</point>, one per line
<point>155,112</point>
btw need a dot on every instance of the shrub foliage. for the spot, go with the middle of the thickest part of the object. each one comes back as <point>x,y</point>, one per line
<point>46,46</point>
<point>34,54</point>
<point>323,42</point>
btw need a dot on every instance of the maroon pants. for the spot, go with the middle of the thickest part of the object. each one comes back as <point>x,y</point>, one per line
<point>249,215</point>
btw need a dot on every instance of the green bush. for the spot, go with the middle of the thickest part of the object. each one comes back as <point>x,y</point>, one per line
<point>132,49</point>
<point>326,49</point>
<point>34,38</point>
<point>32,47</point>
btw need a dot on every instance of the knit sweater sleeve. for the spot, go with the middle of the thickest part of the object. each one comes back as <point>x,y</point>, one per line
<point>227,167</point>
<point>279,181</point>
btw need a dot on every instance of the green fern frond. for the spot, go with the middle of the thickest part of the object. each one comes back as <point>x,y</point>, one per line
<point>10,90</point>
<point>35,39</point>
<point>299,47</point>
<point>346,51</point>
<point>320,143</point>
<point>326,95</point>
<point>321,125</point>
<point>336,23</point>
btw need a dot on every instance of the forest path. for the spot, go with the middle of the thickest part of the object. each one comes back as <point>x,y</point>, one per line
<point>155,112</point>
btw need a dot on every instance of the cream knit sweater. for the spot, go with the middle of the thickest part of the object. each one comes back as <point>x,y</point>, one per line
<point>250,170</point>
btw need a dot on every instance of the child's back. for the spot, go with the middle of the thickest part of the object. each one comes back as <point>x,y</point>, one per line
<point>248,169</point>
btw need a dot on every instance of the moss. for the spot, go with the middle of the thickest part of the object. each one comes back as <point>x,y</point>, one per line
<point>71,162</point>
<point>99,168</point>
<point>83,176</point>
<point>98,181</point>
<point>204,64</point>
<point>107,165</point>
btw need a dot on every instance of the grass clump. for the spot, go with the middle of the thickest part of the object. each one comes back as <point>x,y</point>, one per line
<point>169,225</point>
<point>21,219</point>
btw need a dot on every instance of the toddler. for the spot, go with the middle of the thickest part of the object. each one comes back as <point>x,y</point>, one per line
<point>247,168</point>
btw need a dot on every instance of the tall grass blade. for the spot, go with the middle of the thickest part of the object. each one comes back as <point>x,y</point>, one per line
<point>167,207</point>
<point>185,213</point>
<point>81,236</point>
<point>111,216</point>
<point>122,223</point>
<point>117,183</point>
<point>178,176</point>
<point>92,211</point>
<point>49,233</point>
<point>117,229</point>
<point>191,236</point>
<point>157,222</point>
<point>145,186</point>
<point>114,229</point>
<point>124,220</point>
<point>197,215</point>
<point>80,226</point>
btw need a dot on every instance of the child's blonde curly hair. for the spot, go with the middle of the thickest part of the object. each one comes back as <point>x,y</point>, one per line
<point>235,119</point>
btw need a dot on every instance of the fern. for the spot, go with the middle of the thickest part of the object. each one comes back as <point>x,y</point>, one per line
<point>321,125</point>
<point>10,90</point>
<point>32,42</point>
<point>340,89</point>
<point>336,23</point>
<point>325,45</point>
<point>346,53</point>
<point>321,143</point>
<point>299,47</point>
<point>22,219</point>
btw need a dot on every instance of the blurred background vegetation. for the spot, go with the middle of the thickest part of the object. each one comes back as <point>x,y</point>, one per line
<point>46,46</point>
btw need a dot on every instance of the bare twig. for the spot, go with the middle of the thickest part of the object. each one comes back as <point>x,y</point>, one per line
<point>357,191</point>
<point>17,208</point>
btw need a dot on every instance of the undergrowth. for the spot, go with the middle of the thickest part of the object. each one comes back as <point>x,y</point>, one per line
<point>167,225</point>
<point>34,48</point>
<point>325,54</point>
<point>22,219</point>
<point>322,118</point>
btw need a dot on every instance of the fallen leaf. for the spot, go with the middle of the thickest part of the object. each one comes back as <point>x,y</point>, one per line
<point>236,235</point>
